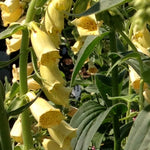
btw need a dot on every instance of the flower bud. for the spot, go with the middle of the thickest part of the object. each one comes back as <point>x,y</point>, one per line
<point>11,11</point>
<point>63,134</point>
<point>46,115</point>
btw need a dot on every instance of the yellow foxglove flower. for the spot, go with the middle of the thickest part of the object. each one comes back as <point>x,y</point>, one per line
<point>15,71</point>
<point>58,93</point>
<point>54,19</point>
<point>77,45</point>
<point>16,131</point>
<point>92,68</point>
<point>46,115</point>
<point>146,95</point>
<point>72,111</point>
<point>51,75</point>
<point>32,84</point>
<point>49,144</point>
<point>135,79</point>
<point>63,134</point>
<point>11,11</point>
<point>141,40</point>
<point>14,43</point>
<point>62,5</point>
<point>87,25</point>
<point>44,48</point>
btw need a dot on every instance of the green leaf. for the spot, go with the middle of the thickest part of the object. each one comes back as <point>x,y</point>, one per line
<point>80,6</point>
<point>85,51</point>
<point>101,6</point>
<point>2,92</point>
<point>6,63</point>
<point>139,138</point>
<point>11,30</point>
<point>97,123</point>
<point>14,90</point>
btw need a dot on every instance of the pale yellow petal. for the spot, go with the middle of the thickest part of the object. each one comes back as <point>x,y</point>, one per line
<point>32,84</point>
<point>46,115</point>
<point>63,134</point>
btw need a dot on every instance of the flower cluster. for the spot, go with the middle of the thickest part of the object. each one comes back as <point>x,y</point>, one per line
<point>45,41</point>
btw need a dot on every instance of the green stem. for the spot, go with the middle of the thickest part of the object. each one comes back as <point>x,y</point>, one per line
<point>115,92</point>
<point>141,102</point>
<point>26,125</point>
<point>5,140</point>
<point>26,130</point>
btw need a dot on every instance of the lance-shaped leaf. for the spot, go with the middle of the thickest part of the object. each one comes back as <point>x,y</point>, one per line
<point>85,51</point>
<point>11,30</point>
<point>139,138</point>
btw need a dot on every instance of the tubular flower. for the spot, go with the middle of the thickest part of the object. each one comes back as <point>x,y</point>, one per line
<point>14,43</point>
<point>49,144</point>
<point>16,131</point>
<point>63,134</point>
<point>92,68</point>
<point>141,39</point>
<point>11,11</point>
<point>77,45</point>
<point>44,48</point>
<point>135,79</point>
<point>87,25</point>
<point>63,5</point>
<point>32,84</point>
<point>54,19</point>
<point>15,71</point>
<point>58,94</point>
<point>46,115</point>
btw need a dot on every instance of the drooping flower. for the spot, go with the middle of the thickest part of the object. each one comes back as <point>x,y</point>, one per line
<point>15,71</point>
<point>54,19</point>
<point>14,43</point>
<point>11,11</point>
<point>50,144</point>
<point>141,39</point>
<point>16,131</point>
<point>92,68</point>
<point>87,25</point>
<point>135,79</point>
<point>63,134</point>
<point>44,48</point>
<point>77,45</point>
<point>46,115</point>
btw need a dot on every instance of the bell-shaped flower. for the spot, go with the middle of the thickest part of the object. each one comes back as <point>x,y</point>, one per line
<point>92,69</point>
<point>63,5</point>
<point>44,48</point>
<point>46,115</point>
<point>32,84</point>
<point>87,25</point>
<point>63,134</point>
<point>16,131</point>
<point>54,19</point>
<point>14,43</point>
<point>50,144</point>
<point>11,11</point>
<point>15,71</point>
<point>135,79</point>
<point>58,94</point>
<point>141,39</point>
<point>77,45</point>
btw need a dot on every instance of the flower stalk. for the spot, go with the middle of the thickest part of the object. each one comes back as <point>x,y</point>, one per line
<point>115,92</point>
